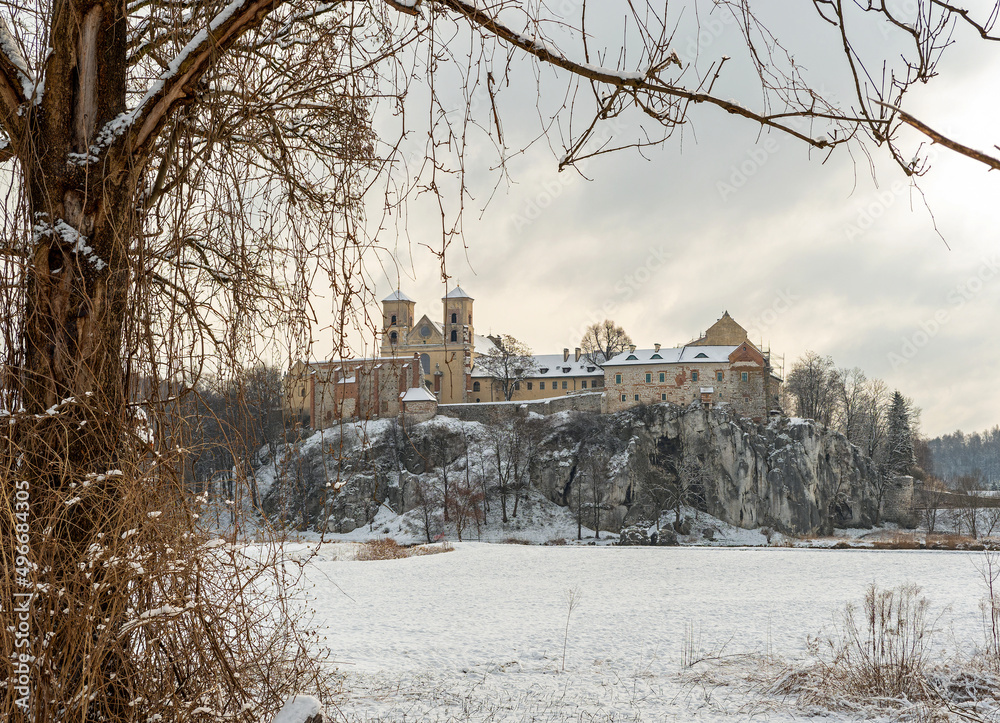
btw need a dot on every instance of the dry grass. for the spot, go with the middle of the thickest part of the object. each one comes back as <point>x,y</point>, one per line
<point>386,548</point>
<point>517,541</point>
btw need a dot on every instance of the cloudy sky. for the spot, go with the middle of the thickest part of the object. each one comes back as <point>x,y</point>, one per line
<point>807,252</point>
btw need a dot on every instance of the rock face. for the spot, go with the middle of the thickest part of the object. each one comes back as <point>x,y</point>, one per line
<point>790,475</point>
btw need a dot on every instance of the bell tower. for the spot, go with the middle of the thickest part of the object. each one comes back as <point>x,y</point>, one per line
<point>397,319</point>
<point>458,317</point>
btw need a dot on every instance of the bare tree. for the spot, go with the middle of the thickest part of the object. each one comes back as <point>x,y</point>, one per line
<point>602,340</point>
<point>812,383</point>
<point>507,364</point>
<point>179,172</point>
<point>596,470</point>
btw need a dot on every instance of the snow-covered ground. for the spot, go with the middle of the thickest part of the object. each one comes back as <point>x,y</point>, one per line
<point>477,634</point>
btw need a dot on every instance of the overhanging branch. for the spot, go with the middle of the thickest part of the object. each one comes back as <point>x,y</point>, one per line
<point>176,86</point>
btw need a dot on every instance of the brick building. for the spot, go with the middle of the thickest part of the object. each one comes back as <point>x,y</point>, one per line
<point>322,392</point>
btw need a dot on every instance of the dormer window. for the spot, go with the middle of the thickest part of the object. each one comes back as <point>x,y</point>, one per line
<point>590,369</point>
<point>631,357</point>
<point>656,356</point>
<point>544,370</point>
<point>566,370</point>
<point>702,355</point>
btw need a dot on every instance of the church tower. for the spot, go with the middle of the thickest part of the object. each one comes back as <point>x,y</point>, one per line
<point>397,319</point>
<point>458,317</point>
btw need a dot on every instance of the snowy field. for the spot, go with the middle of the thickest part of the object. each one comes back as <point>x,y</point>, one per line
<point>477,634</point>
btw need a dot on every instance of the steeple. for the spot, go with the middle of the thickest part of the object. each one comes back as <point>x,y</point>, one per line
<point>397,317</point>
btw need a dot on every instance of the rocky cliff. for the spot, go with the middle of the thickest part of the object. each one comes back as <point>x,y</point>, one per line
<point>790,475</point>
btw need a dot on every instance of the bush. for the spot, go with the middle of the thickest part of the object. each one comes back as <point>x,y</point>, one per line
<point>877,657</point>
<point>384,548</point>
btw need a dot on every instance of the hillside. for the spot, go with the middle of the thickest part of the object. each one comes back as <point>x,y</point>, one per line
<point>605,471</point>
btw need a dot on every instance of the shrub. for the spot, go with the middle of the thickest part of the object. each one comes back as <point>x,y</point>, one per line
<point>878,656</point>
<point>883,651</point>
<point>384,548</point>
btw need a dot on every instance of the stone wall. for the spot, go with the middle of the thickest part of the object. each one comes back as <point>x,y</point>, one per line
<point>747,398</point>
<point>487,411</point>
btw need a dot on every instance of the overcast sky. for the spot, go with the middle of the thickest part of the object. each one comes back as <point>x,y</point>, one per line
<point>807,255</point>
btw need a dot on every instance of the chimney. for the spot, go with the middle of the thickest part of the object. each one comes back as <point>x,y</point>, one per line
<point>565,355</point>
<point>656,348</point>
<point>631,348</point>
<point>577,351</point>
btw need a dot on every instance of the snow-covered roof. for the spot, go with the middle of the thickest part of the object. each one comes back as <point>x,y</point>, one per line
<point>457,293</point>
<point>397,296</point>
<point>552,365</point>
<point>417,394</point>
<point>482,344</point>
<point>678,355</point>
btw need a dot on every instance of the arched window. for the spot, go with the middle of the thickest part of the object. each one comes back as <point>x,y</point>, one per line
<point>393,338</point>
<point>393,322</point>
<point>454,335</point>
<point>425,363</point>
<point>454,318</point>
<point>475,386</point>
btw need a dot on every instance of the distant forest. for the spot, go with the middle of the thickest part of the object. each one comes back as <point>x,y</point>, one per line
<point>958,454</point>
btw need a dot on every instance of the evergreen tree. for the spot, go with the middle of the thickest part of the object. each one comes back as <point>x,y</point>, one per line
<point>899,452</point>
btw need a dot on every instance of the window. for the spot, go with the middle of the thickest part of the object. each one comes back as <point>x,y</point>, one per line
<point>517,386</point>
<point>470,319</point>
<point>475,386</point>
<point>656,356</point>
<point>637,397</point>
<point>663,397</point>
<point>565,385</point>
<point>744,376</point>
<point>663,377</point>
<point>393,338</point>
<point>302,392</point>
<point>454,318</point>
<point>694,376</point>
<point>631,357</point>
<point>649,377</point>
<point>425,331</point>
<point>541,385</point>
<point>529,386</point>
<point>618,378</point>
<point>454,335</point>
<point>583,384</point>
<point>718,376</point>
<point>425,363</point>
<point>702,355</point>
<point>624,398</point>
<point>393,322</point>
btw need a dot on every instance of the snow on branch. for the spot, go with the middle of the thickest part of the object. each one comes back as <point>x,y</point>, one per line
<point>175,85</point>
<point>16,86</point>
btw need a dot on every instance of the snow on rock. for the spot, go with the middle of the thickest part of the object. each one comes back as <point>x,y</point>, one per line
<point>379,478</point>
<point>300,709</point>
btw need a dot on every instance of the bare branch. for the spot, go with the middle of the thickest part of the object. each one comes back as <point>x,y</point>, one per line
<point>175,87</point>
